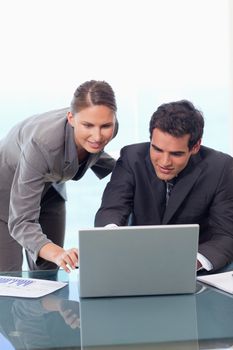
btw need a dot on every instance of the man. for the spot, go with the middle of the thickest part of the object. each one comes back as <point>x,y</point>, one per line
<point>201,180</point>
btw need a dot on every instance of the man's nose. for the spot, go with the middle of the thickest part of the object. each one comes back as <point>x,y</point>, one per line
<point>166,159</point>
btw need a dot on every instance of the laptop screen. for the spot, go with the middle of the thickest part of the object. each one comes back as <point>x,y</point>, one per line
<point>138,260</point>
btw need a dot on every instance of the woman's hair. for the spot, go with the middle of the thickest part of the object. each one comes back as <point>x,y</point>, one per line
<point>92,93</point>
<point>178,119</point>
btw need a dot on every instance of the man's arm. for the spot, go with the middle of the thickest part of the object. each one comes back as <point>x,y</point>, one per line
<point>117,200</point>
<point>219,248</point>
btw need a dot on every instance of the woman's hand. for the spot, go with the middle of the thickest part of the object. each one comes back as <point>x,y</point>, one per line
<point>66,259</point>
<point>69,310</point>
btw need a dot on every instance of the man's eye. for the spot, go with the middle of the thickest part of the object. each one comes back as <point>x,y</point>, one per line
<point>177,154</point>
<point>157,149</point>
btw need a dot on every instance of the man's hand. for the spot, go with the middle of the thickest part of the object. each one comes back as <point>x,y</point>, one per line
<point>199,265</point>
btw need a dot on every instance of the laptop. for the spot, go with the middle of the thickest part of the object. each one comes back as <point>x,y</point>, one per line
<point>138,260</point>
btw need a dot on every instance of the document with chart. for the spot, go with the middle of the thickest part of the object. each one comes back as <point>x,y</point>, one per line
<point>27,287</point>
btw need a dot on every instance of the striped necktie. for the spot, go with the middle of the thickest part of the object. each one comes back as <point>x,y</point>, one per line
<point>169,186</point>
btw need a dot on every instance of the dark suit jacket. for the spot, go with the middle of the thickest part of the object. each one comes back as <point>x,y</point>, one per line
<point>203,194</point>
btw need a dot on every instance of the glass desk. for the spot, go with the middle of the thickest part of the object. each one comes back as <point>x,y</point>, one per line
<point>61,321</point>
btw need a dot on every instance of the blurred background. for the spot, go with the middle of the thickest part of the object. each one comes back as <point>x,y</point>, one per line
<point>150,51</point>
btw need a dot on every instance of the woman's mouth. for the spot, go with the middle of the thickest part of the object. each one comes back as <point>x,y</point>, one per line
<point>95,145</point>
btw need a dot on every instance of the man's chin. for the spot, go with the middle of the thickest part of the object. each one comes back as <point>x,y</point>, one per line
<point>165,177</point>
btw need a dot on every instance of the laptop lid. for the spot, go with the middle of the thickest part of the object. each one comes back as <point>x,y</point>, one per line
<point>138,260</point>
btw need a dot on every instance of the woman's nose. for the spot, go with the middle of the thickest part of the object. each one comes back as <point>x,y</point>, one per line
<point>96,134</point>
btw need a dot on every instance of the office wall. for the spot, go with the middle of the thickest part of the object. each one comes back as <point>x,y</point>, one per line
<point>150,51</point>
<point>230,4</point>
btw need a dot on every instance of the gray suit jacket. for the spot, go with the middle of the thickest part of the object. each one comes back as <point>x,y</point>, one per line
<point>37,153</point>
<point>202,195</point>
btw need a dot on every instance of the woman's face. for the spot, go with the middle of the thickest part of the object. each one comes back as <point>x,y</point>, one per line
<point>93,127</point>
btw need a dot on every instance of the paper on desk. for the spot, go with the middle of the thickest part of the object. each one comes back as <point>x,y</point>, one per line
<point>27,287</point>
<point>223,281</point>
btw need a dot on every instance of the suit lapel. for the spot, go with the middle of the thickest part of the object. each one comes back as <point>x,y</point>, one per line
<point>157,190</point>
<point>71,163</point>
<point>186,180</point>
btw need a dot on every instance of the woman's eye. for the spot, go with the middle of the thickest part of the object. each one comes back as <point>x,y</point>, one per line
<point>107,126</point>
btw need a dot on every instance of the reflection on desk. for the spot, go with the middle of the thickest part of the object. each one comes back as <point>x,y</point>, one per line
<point>139,322</point>
<point>59,321</point>
<point>45,323</point>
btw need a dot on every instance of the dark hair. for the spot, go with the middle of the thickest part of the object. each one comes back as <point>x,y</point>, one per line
<point>93,93</point>
<point>178,119</point>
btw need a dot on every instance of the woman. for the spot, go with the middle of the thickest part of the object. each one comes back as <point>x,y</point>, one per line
<point>37,157</point>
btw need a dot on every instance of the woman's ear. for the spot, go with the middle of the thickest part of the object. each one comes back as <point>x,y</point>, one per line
<point>70,118</point>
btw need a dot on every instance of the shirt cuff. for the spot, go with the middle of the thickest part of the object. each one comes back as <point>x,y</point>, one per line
<point>111,225</point>
<point>206,264</point>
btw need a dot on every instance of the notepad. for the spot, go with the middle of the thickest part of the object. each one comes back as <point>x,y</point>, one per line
<point>223,281</point>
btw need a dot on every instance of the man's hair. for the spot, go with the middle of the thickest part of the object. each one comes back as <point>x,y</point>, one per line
<point>178,119</point>
<point>92,93</point>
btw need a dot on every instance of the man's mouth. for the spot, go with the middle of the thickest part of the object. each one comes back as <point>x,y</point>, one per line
<point>165,170</point>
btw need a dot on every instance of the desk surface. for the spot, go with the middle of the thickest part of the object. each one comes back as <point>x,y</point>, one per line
<point>61,321</point>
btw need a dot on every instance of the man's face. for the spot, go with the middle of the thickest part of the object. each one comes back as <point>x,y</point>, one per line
<point>170,155</point>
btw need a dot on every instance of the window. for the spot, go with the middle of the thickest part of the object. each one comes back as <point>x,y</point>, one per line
<point>150,51</point>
